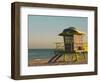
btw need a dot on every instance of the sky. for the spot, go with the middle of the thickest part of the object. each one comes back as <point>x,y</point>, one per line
<point>43,30</point>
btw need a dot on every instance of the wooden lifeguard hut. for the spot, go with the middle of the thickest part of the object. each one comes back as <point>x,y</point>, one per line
<point>73,43</point>
<point>73,39</point>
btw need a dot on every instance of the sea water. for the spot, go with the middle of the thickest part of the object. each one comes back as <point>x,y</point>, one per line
<point>40,53</point>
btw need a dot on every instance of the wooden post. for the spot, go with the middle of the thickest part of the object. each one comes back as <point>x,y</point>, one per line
<point>65,58</point>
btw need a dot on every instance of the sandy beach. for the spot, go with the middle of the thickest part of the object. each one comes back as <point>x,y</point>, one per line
<point>60,61</point>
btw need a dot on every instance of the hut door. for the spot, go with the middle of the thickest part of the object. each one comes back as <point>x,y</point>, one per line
<point>69,43</point>
<point>69,47</point>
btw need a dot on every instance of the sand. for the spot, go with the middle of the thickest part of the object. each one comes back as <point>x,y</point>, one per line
<point>44,62</point>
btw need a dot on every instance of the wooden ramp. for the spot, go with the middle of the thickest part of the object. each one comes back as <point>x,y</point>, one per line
<point>58,52</point>
<point>57,55</point>
<point>53,59</point>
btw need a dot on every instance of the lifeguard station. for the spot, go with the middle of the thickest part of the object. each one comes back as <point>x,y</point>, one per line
<point>73,44</point>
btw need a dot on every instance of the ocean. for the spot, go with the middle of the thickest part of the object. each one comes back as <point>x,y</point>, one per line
<point>40,53</point>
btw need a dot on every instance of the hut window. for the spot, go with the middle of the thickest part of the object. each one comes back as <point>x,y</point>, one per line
<point>78,39</point>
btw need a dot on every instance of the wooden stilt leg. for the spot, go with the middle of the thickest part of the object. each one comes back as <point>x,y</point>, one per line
<point>76,57</point>
<point>65,58</point>
<point>84,55</point>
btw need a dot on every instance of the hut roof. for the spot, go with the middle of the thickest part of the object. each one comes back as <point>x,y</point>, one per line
<point>71,31</point>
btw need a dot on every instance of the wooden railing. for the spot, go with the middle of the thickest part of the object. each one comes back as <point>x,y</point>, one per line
<point>60,46</point>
